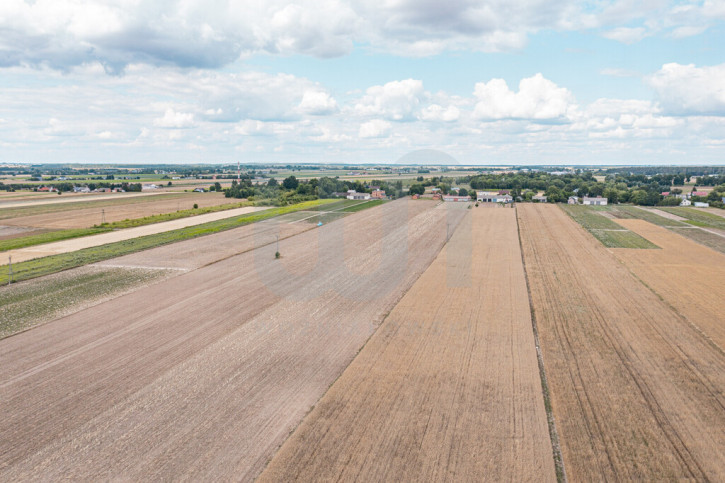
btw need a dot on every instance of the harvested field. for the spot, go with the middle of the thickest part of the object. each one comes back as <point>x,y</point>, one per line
<point>682,272</point>
<point>202,376</point>
<point>448,388</point>
<point>70,215</point>
<point>636,390</point>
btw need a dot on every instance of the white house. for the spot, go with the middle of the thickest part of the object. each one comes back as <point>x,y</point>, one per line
<point>573,200</point>
<point>493,197</point>
<point>539,198</point>
<point>354,195</point>
<point>588,200</point>
<point>685,202</point>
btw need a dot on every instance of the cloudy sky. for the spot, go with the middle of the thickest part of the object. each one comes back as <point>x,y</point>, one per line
<point>488,82</point>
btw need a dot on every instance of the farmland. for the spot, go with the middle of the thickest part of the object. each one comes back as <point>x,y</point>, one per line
<point>406,340</point>
<point>238,350</point>
<point>447,388</point>
<point>636,389</point>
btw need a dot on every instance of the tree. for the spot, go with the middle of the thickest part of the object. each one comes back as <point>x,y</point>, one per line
<point>272,182</point>
<point>290,183</point>
<point>416,189</point>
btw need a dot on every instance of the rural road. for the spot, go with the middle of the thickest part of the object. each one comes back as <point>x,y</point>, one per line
<point>38,251</point>
<point>75,198</point>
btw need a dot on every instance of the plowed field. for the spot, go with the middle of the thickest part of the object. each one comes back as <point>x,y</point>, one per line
<point>203,376</point>
<point>448,388</point>
<point>637,391</point>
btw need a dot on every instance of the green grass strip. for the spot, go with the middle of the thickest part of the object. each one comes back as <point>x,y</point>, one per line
<point>697,217</point>
<point>49,237</point>
<point>64,261</point>
<point>609,233</point>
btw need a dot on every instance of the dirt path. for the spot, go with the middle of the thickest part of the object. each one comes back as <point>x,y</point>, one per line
<point>202,376</point>
<point>448,388</point>
<point>636,390</point>
<point>66,246</point>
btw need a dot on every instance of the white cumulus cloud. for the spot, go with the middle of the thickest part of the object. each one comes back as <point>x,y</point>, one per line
<point>175,120</point>
<point>318,103</point>
<point>377,128</point>
<point>538,99</point>
<point>396,100</point>
<point>687,89</point>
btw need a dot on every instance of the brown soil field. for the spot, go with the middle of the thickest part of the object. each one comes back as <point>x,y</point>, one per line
<point>89,216</point>
<point>636,390</point>
<point>448,388</point>
<point>202,376</point>
<point>54,199</point>
<point>689,276</point>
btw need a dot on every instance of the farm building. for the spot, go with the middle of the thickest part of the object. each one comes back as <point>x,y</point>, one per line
<point>573,200</point>
<point>700,193</point>
<point>378,194</point>
<point>493,197</point>
<point>595,201</point>
<point>456,198</point>
<point>539,198</point>
<point>699,204</point>
<point>685,203</point>
<point>354,195</point>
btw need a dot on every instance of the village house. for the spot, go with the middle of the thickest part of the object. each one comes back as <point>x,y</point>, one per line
<point>354,195</point>
<point>378,194</point>
<point>539,199</point>
<point>493,197</point>
<point>588,200</point>
<point>685,202</point>
<point>573,200</point>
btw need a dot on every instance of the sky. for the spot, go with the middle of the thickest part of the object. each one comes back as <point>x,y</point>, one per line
<point>492,82</point>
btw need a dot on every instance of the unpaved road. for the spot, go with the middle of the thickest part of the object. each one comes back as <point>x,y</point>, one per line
<point>203,376</point>
<point>448,388</point>
<point>66,246</point>
<point>637,391</point>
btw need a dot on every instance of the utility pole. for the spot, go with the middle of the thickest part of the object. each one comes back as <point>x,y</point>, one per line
<point>103,216</point>
<point>10,265</point>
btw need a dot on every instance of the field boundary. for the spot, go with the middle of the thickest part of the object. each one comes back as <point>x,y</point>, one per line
<point>553,434</point>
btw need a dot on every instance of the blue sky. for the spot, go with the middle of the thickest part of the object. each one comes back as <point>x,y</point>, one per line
<point>488,82</point>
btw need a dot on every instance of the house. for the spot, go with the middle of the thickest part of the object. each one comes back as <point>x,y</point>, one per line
<point>685,203</point>
<point>378,194</point>
<point>456,198</point>
<point>81,189</point>
<point>415,197</point>
<point>504,192</point>
<point>573,200</point>
<point>354,195</point>
<point>700,193</point>
<point>435,190</point>
<point>588,200</point>
<point>456,189</point>
<point>150,186</point>
<point>199,190</point>
<point>493,197</point>
<point>665,193</point>
<point>437,196</point>
<point>539,199</point>
<point>723,199</point>
<point>44,189</point>
<point>699,204</point>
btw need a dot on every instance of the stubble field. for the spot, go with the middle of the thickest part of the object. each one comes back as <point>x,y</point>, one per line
<point>636,389</point>
<point>448,388</point>
<point>202,376</point>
